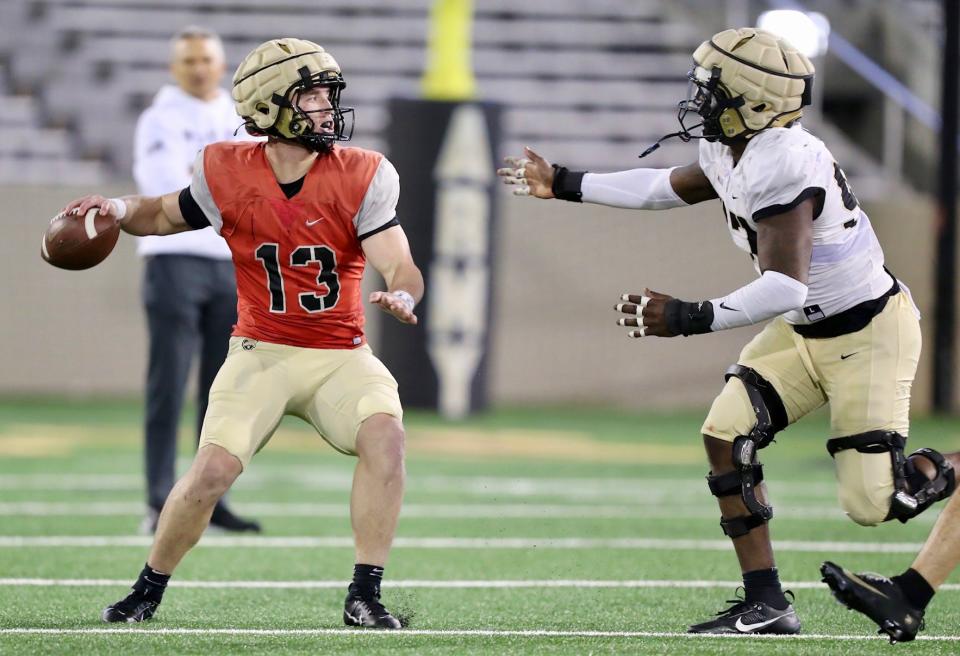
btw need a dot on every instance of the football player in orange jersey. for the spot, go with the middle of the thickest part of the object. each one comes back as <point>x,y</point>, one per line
<point>301,216</point>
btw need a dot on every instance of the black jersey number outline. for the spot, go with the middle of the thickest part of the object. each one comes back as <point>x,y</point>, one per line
<point>269,256</point>
<point>846,194</point>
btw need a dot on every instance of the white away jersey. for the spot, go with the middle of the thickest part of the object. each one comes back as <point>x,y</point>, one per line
<point>780,168</point>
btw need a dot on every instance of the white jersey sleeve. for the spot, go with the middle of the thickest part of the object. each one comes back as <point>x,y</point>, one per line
<point>201,194</point>
<point>379,207</point>
<point>782,175</point>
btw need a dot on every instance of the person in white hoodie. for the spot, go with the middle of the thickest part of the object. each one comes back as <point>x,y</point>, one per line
<point>189,288</point>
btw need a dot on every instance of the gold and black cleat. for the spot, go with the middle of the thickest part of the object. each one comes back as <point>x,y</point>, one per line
<point>878,598</point>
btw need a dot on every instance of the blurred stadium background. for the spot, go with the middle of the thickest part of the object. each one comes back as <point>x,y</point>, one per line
<point>587,84</point>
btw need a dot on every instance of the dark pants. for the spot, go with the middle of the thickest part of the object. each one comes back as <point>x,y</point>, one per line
<point>191,306</point>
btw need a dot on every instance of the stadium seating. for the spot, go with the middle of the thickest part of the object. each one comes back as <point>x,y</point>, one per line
<point>589,84</point>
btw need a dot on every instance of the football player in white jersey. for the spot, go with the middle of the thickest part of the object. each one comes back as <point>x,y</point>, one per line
<point>844,330</point>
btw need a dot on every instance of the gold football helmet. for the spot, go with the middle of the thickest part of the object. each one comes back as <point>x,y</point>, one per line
<point>267,87</point>
<point>743,81</point>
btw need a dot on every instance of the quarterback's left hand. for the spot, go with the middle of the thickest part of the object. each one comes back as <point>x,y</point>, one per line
<point>648,314</point>
<point>394,305</point>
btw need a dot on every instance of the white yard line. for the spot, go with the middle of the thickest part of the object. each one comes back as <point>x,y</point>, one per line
<point>304,542</point>
<point>452,632</point>
<point>425,584</point>
<point>624,490</point>
<point>428,511</point>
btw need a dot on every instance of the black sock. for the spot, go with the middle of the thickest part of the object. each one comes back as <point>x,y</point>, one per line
<point>915,588</point>
<point>763,585</point>
<point>366,579</point>
<point>151,583</point>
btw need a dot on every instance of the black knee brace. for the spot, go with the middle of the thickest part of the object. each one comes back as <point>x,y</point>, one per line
<point>924,491</point>
<point>913,491</point>
<point>766,402</point>
<point>771,418</point>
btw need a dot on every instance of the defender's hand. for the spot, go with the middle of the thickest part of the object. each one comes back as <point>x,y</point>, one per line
<point>84,204</point>
<point>393,304</point>
<point>532,175</point>
<point>647,314</point>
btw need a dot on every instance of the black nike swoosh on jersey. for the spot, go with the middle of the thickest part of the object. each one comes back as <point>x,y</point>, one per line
<point>727,307</point>
<point>848,355</point>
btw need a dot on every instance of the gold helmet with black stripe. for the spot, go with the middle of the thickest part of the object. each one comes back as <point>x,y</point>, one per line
<point>743,81</point>
<point>269,82</point>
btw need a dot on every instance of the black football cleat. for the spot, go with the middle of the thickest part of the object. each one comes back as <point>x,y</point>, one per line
<point>135,607</point>
<point>224,520</point>
<point>751,618</point>
<point>367,612</point>
<point>878,598</point>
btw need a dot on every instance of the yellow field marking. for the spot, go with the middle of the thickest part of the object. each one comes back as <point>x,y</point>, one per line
<point>460,443</point>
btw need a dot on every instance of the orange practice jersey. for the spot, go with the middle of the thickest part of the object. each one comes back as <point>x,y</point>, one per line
<point>298,261</point>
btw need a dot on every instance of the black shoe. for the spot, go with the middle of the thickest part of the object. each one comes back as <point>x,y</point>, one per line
<point>751,617</point>
<point>225,520</point>
<point>135,607</point>
<point>878,598</point>
<point>367,612</point>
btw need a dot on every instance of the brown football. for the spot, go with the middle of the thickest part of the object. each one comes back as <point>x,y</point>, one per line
<point>79,242</point>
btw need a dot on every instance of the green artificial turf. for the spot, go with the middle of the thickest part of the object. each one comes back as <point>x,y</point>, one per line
<point>72,469</point>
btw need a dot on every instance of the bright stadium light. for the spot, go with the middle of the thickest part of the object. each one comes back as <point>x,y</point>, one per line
<point>808,32</point>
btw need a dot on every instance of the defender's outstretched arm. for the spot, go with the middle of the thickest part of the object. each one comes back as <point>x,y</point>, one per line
<point>644,189</point>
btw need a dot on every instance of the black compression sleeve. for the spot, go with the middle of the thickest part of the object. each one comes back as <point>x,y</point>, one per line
<point>191,211</point>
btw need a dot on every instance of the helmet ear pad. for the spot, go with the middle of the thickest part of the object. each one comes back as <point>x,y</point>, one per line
<point>731,123</point>
<point>292,123</point>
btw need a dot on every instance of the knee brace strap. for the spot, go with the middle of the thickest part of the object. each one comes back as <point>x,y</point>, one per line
<point>925,491</point>
<point>870,442</point>
<point>736,527</point>
<point>725,485</point>
<point>766,402</point>
<point>742,480</point>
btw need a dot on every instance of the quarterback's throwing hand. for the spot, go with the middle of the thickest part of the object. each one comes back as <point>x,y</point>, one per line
<point>396,304</point>
<point>532,175</point>
<point>83,205</point>
<point>646,314</point>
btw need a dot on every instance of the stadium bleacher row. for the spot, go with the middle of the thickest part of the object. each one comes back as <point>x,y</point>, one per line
<point>595,99</point>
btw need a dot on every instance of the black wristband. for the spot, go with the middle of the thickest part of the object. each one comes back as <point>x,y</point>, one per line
<point>685,318</point>
<point>566,184</point>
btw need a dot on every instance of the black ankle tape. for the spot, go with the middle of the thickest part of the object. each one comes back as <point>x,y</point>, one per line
<point>367,579</point>
<point>916,589</point>
<point>151,583</point>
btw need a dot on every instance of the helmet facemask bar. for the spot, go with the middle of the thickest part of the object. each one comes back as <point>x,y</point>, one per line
<point>318,129</point>
<point>707,99</point>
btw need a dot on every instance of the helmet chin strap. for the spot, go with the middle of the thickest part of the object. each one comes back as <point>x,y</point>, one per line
<point>683,134</point>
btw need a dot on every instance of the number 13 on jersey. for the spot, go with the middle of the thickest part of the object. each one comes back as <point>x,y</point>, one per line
<point>302,256</point>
